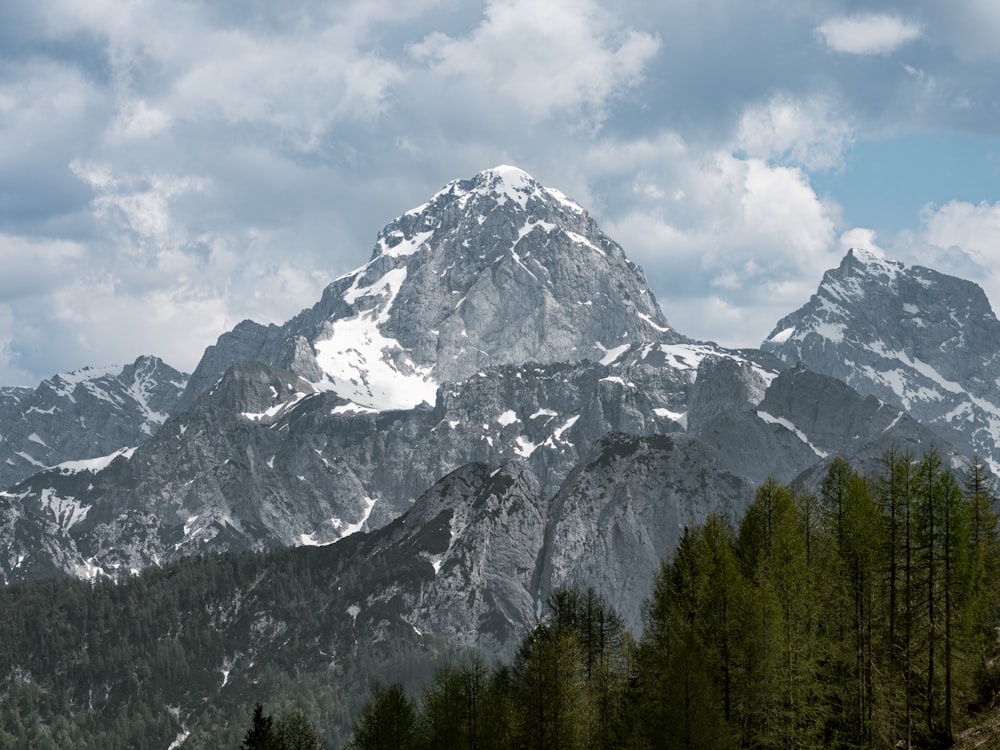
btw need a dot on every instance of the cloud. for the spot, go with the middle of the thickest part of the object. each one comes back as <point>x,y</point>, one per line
<point>868,34</point>
<point>32,265</point>
<point>729,244</point>
<point>973,227</point>
<point>137,208</point>
<point>860,237</point>
<point>544,59</point>
<point>958,238</point>
<point>225,159</point>
<point>810,132</point>
<point>136,119</point>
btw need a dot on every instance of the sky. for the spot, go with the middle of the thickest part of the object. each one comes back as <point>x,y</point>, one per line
<point>169,168</point>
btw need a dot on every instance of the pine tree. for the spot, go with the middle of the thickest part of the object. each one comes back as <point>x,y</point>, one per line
<point>388,721</point>
<point>984,572</point>
<point>682,702</point>
<point>261,735</point>
<point>294,731</point>
<point>551,700</point>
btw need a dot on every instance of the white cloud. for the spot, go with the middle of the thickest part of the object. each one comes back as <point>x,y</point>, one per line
<point>729,244</point>
<point>138,207</point>
<point>868,34</point>
<point>544,59</point>
<point>973,227</point>
<point>860,237</point>
<point>299,81</point>
<point>136,119</point>
<point>958,238</point>
<point>230,160</point>
<point>810,132</point>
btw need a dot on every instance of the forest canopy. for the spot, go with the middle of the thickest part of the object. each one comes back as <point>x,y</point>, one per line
<point>860,616</point>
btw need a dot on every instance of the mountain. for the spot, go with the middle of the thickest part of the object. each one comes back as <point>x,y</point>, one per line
<point>468,567</point>
<point>924,341</point>
<point>85,414</point>
<point>491,408</point>
<point>283,453</point>
<point>493,270</point>
<point>263,460</point>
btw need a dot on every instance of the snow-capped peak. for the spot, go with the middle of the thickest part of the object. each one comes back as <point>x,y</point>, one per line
<point>495,269</point>
<point>874,261</point>
<point>911,336</point>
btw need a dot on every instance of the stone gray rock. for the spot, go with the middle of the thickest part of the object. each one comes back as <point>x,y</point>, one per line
<point>84,414</point>
<point>924,341</point>
<point>493,270</point>
<point>623,509</point>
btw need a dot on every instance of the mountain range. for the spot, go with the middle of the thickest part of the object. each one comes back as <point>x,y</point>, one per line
<point>497,396</point>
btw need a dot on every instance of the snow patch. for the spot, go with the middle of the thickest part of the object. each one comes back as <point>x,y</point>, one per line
<point>524,447</point>
<point>612,354</point>
<point>277,409</point>
<point>348,529</point>
<point>543,413</point>
<point>782,336</point>
<point>67,510</point>
<point>771,419</point>
<point>93,465</point>
<point>680,417</point>
<point>507,418</point>
<point>363,365</point>
<point>653,324</point>
<point>400,246</point>
<point>565,426</point>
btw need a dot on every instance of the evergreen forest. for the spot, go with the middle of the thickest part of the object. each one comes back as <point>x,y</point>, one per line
<point>861,615</point>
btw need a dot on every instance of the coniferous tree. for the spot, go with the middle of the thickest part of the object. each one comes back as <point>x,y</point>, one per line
<point>984,571</point>
<point>388,721</point>
<point>294,731</point>
<point>261,735</point>
<point>682,703</point>
<point>454,707</point>
<point>551,702</point>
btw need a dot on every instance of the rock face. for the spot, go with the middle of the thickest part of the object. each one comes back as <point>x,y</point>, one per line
<point>921,340</point>
<point>623,510</point>
<point>494,326</point>
<point>493,270</point>
<point>84,414</point>
<point>487,548</point>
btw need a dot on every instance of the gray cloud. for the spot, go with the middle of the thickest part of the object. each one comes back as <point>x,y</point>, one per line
<point>167,170</point>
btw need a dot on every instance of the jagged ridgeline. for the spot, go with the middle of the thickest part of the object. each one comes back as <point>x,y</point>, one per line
<point>814,615</point>
<point>491,409</point>
<point>496,322</point>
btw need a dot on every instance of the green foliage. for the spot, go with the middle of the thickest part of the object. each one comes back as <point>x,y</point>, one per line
<point>98,664</point>
<point>388,721</point>
<point>859,617</point>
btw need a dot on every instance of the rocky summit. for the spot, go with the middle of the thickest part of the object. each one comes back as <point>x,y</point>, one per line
<point>495,328</point>
<point>84,415</point>
<point>924,341</point>
<point>493,270</point>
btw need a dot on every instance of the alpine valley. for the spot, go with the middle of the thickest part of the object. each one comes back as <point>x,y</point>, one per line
<point>492,408</point>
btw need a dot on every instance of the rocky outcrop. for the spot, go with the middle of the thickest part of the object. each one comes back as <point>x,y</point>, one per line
<point>493,270</point>
<point>921,340</point>
<point>84,414</point>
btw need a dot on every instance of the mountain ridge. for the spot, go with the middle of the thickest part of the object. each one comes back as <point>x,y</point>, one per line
<point>924,341</point>
<point>493,270</point>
